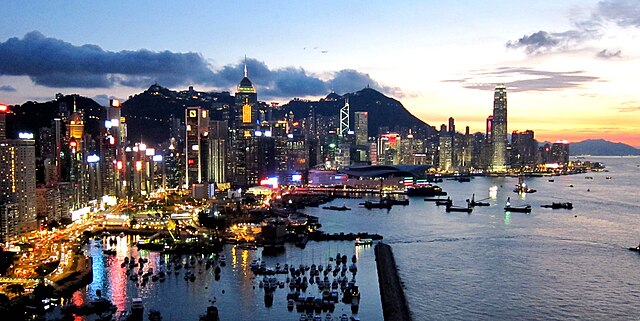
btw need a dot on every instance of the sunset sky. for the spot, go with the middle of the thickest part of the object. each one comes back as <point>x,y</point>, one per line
<point>570,66</point>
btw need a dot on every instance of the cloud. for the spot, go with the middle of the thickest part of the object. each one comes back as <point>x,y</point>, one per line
<point>542,41</point>
<point>518,79</point>
<point>623,13</point>
<point>7,88</point>
<point>606,54</point>
<point>55,63</point>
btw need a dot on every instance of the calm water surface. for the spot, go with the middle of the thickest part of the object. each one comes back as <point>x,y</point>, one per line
<point>490,265</point>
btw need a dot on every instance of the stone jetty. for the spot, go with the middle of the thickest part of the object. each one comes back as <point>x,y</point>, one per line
<point>394,303</point>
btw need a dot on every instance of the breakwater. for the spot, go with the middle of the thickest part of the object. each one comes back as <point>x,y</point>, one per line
<point>394,303</point>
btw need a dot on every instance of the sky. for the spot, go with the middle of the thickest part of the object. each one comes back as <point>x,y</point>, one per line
<point>569,66</point>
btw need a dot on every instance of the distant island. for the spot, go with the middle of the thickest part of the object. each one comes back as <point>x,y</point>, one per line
<point>601,147</point>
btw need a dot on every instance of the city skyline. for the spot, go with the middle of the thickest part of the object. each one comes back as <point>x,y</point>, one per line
<point>558,60</point>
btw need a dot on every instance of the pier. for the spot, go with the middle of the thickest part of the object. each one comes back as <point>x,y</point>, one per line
<point>394,303</point>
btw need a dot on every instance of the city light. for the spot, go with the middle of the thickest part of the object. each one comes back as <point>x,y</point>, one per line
<point>157,158</point>
<point>4,108</point>
<point>93,158</point>
<point>115,103</point>
<point>150,151</point>
<point>139,166</point>
<point>108,124</point>
<point>119,165</point>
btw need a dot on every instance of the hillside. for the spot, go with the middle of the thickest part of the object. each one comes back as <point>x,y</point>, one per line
<point>601,147</point>
<point>383,111</point>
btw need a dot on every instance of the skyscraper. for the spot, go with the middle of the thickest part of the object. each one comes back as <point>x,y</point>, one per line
<point>361,120</point>
<point>197,130</point>
<point>499,130</point>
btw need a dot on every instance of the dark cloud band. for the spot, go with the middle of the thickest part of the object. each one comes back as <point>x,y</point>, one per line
<point>55,63</point>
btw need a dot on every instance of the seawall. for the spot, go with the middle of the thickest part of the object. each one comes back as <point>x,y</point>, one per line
<point>394,303</point>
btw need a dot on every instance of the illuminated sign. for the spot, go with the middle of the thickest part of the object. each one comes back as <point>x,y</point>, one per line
<point>108,124</point>
<point>139,166</point>
<point>115,122</point>
<point>271,181</point>
<point>115,103</point>
<point>150,151</point>
<point>258,133</point>
<point>25,135</point>
<point>193,113</point>
<point>157,158</point>
<point>296,178</point>
<point>119,165</point>
<point>4,108</point>
<point>73,144</point>
<point>93,158</point>
<point>191,161</point>
<point>112,140</point>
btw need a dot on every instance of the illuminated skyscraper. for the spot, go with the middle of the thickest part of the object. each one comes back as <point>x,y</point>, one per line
<point>499,130</point>
<point>197,121</point>
<point>361,120</point>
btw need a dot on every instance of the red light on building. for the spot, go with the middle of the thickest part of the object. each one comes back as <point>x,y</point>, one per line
<point>73,144</point>
<point>4,108</point>
<point>115,103</point>
<point>119,165</point>
<point>191,161</point>
<point>112,141</point>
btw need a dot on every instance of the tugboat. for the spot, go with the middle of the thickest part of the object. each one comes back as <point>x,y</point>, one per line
<point>559,205</point>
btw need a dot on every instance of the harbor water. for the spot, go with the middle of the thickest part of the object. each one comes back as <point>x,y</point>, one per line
<point>488,265</point>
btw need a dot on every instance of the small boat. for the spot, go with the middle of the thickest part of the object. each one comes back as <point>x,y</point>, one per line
<point>551,180</point>
<point>365,241</point>
<point>559,205</point>
<point>635,249</point>
<point>516,209</point>
<point>336,208</point>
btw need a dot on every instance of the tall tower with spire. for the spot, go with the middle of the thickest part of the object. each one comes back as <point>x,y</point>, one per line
<point>499,130</point>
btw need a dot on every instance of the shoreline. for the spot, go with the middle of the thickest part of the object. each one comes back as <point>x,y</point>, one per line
<point>394,302</point>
